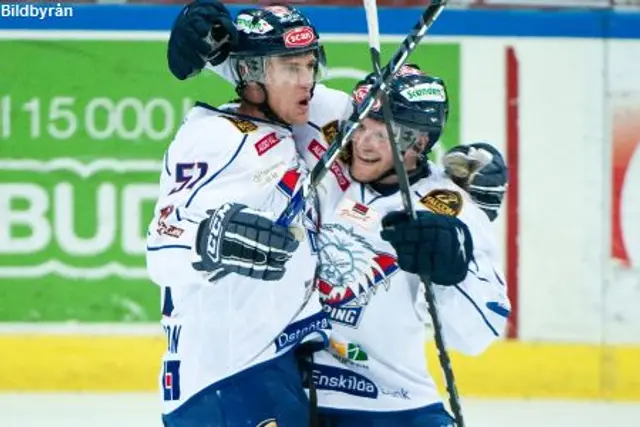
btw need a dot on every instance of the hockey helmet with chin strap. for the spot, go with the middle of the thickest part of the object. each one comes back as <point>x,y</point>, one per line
<point>419,105</point>
<point>268,32</point>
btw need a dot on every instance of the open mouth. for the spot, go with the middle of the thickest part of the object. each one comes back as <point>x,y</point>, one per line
<point>304,102</point>
<point>368,160</point>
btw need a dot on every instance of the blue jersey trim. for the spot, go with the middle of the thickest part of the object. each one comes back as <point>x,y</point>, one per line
<point>498,309</point>
<point>166,162</point>
<point>207,182</point>
<point>315,126</point>
<point>573,23</point>
<point>429,409</point>
<point>484,318</point>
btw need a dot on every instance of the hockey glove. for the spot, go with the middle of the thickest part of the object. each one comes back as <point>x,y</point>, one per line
<point>438,246</point>
<point>203,32</point>
<point>480,169</point>
<point>235,239</point>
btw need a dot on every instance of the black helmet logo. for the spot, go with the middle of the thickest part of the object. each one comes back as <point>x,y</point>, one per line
<point>299,37</point>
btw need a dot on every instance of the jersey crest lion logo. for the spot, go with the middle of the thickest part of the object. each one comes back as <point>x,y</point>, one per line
<point>350,273</point>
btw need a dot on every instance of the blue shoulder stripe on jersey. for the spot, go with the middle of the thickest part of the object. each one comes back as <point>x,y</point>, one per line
<point>315,126</point>
<point>484,318</point>
<point>207,182</point>
<point>160,248</point>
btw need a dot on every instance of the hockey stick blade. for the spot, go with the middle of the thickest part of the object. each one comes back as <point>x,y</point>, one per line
<point>311,181</point>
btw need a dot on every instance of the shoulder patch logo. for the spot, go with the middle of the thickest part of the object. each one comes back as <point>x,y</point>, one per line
<point>329,131</point>
<point>244,126</point>
<point>445,202</point>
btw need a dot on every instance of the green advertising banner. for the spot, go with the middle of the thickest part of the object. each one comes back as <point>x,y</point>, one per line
<point>83,128</point>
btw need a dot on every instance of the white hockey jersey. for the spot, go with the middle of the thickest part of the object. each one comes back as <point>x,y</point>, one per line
<point>215,330</point>
<point>376,360</point>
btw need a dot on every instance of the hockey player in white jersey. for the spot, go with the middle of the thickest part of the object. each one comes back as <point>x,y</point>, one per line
<point>371,256</point>
<point>237,289</point>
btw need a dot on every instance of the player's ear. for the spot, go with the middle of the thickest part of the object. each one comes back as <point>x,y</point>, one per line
<point>412,155</point>
<point>420,146</point>
<point>254,93</point>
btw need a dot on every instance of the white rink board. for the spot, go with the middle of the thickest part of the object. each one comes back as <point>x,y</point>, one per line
<point>570,288</point>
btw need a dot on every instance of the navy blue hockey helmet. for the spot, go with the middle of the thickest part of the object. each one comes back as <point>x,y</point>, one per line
<point>273,31</point>
<point>419,105</point>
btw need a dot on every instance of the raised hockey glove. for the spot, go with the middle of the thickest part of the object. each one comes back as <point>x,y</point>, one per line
<point>235,239</point>
<point>203,32</point>
<point>480,169</point>
<point>438,246</point>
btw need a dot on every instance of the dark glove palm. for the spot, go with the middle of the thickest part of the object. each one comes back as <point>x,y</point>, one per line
<point>433,245</point>
<point>198,36</point>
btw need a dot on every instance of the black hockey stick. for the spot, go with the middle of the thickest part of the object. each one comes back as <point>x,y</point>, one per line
<point>311,181</point>
<point>405,191</point>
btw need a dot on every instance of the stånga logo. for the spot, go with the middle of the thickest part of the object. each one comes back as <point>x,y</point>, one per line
<point>299,37</point>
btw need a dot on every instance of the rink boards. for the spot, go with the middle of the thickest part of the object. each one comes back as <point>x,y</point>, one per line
<point>103,363</point>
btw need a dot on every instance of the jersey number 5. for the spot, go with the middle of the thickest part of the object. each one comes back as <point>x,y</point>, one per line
<point>188,175</point>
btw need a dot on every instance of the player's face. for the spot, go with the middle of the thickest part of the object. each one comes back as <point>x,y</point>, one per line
<point>289,82</point>
<point>371,153</point>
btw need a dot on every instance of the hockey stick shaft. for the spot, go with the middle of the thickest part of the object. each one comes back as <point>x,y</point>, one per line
<point>407,201</point>
<point>308,188</point>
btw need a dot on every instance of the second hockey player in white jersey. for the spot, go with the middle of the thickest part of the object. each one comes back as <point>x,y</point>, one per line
<point>371,256</point>
<point>237,289</point>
